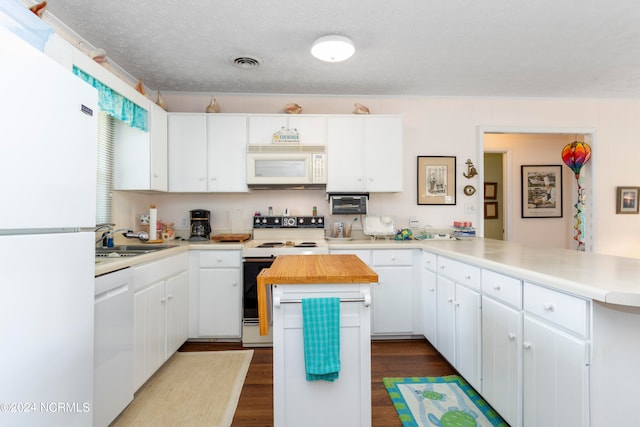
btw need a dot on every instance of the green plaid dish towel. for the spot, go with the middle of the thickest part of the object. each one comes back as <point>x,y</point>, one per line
<point>321,333</point>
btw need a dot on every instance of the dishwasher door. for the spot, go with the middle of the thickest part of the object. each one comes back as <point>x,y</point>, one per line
<point>113,345</point>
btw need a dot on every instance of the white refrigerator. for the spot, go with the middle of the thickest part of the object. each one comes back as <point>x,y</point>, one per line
<point>48,131</point>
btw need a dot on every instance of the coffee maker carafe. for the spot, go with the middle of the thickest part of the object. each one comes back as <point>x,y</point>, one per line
<point>200,225</point>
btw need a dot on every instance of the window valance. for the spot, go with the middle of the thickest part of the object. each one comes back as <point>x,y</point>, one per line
<point>114,104</point>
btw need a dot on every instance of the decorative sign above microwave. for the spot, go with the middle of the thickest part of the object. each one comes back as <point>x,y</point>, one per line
<point>286,135</point>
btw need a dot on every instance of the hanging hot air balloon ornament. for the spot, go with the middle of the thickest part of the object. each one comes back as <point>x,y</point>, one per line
<point>576,155</point>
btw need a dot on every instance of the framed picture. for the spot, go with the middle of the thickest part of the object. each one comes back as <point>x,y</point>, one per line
<point>490,210</point>
<point>627,200</point>
<point>541,191</point>
<point>490,190</point>
<point>436,180</point>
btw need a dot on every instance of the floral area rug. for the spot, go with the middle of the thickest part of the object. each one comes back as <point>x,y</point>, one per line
<point>441,402</point>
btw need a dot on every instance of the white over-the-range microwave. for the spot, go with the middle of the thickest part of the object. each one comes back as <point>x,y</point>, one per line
<point>286,164</point>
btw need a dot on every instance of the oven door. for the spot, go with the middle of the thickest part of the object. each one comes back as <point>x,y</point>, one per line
<point>251,267</point>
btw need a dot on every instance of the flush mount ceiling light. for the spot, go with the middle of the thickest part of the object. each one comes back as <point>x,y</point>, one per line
<point>333,48</point>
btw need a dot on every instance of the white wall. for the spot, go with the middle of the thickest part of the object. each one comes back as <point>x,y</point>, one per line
<point>441,126</point>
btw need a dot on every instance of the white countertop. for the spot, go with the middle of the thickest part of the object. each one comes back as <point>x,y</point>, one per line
<point>610,279</point>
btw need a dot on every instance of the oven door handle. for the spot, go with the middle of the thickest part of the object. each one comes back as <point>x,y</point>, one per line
<point>251,260</point>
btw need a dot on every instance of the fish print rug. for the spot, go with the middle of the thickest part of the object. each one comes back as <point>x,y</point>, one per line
<point>440,402</point>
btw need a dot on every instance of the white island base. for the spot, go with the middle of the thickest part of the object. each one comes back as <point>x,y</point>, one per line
<point>346,402</point>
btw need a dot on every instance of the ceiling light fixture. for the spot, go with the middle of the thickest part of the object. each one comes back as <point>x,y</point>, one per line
<point>333,48</point>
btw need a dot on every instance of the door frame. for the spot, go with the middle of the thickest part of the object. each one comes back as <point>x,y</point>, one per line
<point>588,171</point>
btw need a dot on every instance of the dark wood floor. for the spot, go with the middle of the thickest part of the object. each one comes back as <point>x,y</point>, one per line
<point>404,358</point>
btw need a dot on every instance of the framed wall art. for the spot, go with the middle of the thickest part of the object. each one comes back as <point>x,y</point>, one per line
<point>627,200</point>
<point>541,191</point>
<point>490,190</point>
<point>436,180</point>
<point>490,210</point>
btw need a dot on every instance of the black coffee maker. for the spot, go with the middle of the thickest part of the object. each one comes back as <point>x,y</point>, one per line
<point>200,225</point>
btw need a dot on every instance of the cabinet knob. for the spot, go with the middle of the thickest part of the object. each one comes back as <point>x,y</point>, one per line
<point>511,336</point>
<point>163,300</point>
<point>468,277</point>
<point>449,299</point>
<point>526,345</point>
<point>202,178</point>
<point>169,296</point>
<point>548,306</point>
<point>432,289</point>
<point>496,287</point>
<point>235,284</point>
<point>457,303</point>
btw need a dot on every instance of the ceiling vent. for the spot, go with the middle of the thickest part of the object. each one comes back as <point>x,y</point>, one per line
<point>246,62</point>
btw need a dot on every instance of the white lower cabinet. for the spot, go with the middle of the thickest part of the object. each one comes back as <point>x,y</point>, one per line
<point>555,359</point>
<point>502,359</point>
<point>393,296</point>
<point>161,313</point>
<point>217,294</point>
<point>395,308</point>
<point>428,297</point>
<point>458,309</point>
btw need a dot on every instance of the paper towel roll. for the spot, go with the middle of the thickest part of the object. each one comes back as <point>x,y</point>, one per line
<point>153,223</point>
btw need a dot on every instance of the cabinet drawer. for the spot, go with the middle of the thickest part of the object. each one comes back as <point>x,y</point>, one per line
<point>214,258</point>
<point>564,310</point>
<point>504,288</point>
<point>152,272</point>
<point>392,257</point>
<point>429,261</point>
<point>459,272</point>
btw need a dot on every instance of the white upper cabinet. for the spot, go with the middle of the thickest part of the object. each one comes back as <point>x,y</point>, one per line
<point>364,153</point>
<point>227,153</point>
<point>207,153</point>
<point>141,157</point>
<point>187,152</point>
<point>311,128</point>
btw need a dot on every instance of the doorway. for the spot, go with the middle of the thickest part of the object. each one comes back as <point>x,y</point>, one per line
<point>526,146</point>
<point>494,195</point>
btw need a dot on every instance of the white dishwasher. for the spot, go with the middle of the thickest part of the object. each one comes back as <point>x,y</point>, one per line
<point>113,345</point>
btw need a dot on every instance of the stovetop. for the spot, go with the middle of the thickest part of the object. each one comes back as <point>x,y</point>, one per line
<point>286,235</point>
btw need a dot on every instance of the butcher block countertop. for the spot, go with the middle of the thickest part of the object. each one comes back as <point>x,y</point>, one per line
<point>310,269</point>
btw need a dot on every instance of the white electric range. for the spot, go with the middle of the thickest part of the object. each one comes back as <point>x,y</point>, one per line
<point>273,236</point>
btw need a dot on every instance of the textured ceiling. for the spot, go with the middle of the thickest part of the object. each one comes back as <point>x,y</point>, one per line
<point>532,48</point>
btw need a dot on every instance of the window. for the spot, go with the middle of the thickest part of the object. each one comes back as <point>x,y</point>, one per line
<point>104,209</point>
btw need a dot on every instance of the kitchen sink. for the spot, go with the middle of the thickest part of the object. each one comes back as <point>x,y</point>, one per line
<point>129,250</point>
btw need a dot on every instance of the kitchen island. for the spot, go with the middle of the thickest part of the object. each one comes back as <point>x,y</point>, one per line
<point>299,398</point>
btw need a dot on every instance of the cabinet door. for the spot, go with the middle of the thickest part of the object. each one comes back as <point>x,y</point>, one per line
<point>501,359</point>
<point>393,301</point>
<point>344,154</point>
<point>187,152</point>
<point>159,148</point>
<point>177,312</point>
<point>220,303</point>
<point>149,332</point>
<point>227,153</point>
<point>383,171</point>
<point>429,313</point>
<point>467,335</point>
<point>131,158</point>
<point>556,386</point>
<point>445,297</point>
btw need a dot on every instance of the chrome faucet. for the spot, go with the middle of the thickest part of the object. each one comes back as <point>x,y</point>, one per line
<point>129,234</point>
